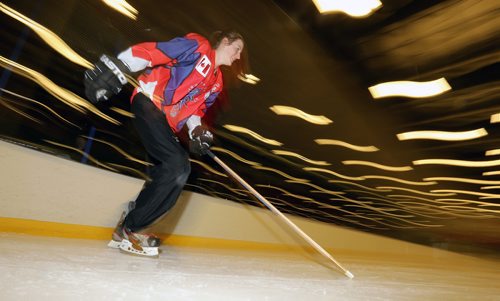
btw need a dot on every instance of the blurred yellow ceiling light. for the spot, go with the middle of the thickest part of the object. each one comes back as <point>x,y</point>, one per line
<point>358,185</point>
<point>252,77</point>
<point>482,194</point>
<point>321,189</point>
<point>383,211</point>
<point>123,7</point>
<point>248,78</point>
<point>280,173</point>
<point>207,167</point>
<point>333,173</point>
<point>470,210</point>
<point>399,180</point>
<point>490,187</point>
<point>224,185</point>
<point>463,180</point>
<point>66,96</point>
<point>119,150</point>
<point>495,118</point>
<point>442,135</point>
<point>48,36</point>
<point>240,129</point>
<point>357,192</point>
<point>97,162</point>
<point>291,111</point>
<point>122,112</point>
<point>491,173</point>
<point>452,162</point>
<point>234,155</point>
<point>20,112</point>
<point>285,192</point>
<point>292,154</point>
<point>40,104</point>
<point>376,165</point>
<point>458,201</point>
<point>357,8</point>
<point>491,197</point>
<point>492,152</point>
<point>410,88</point>
<point>346,145</point>
<point>141,174</point>
<point>432,193</point>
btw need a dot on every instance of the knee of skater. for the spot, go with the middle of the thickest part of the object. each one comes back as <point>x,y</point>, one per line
<point>180,158</point>
<point>184,175</point>
<point>175,162</point>
<point>180,167</point>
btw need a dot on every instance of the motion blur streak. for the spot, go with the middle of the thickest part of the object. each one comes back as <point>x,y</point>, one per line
<point>291,111</point>
<point>432,193</point>
<point>280,173</point>
<point>123,7</point>
<point>232,154</point>
<point>376,165</point>
<point>66,96</point>
<point>442,135</point>
<point>48,36</point>
<point>464,180</point>
<point>240,129</point>
<point>399,180</point>
<point>287,153</point>
<point>346,145</point>
<point>41,104</point>
<point>357,9</point>
<point>119,150</point>
<point>207,167</point>
<point>410,89</point>
<point>333,173</point>
<point>82,153</point>
<point>452,162</point>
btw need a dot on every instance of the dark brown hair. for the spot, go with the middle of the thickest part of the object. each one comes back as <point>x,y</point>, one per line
<point>240,66</point>
<point>217,37</point>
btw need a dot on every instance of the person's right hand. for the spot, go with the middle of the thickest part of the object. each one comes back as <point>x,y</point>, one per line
<point>105,80</point>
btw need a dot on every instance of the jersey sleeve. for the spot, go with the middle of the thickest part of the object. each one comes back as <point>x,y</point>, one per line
<point>150,54</point>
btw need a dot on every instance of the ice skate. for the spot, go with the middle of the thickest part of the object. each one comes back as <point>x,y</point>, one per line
<point>117,237</point>
<point>138,243</point>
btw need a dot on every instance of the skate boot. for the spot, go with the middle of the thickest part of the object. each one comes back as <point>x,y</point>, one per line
<point>117,237</point>
<point>138,243</point>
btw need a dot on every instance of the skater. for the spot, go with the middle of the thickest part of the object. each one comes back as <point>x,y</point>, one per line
<point>182,78</point>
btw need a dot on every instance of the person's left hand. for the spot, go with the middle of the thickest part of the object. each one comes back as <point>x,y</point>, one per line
<point>201,140</point>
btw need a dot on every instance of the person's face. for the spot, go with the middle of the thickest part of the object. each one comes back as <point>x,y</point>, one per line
<point>230,52</point>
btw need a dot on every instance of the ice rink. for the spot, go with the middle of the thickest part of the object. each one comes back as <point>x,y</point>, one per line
<point>49,268</point>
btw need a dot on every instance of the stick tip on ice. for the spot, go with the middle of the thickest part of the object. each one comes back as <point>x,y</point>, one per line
<point>349,274</point>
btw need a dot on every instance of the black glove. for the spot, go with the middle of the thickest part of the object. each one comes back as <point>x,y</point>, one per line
<point>201,140</point>
<point>106,79</point>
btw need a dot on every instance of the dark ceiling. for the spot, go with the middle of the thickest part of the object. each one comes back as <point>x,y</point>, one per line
<point>320,64</point>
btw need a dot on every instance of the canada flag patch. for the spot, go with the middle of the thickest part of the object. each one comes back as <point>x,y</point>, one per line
<point>203,66</point>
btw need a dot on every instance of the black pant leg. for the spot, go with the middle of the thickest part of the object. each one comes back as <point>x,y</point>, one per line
<point>171,169</point>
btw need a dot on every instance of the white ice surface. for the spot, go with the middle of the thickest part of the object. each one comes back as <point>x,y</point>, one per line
<point>45,268</point>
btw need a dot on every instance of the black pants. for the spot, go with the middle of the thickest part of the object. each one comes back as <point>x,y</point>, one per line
<point>171,165</point>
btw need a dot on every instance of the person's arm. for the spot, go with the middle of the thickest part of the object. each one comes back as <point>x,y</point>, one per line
<point>109,74</point>
<point>149,54</point>
<point>195,119</point>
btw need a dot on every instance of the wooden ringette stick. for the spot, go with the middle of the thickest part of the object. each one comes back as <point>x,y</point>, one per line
<point>268,204</point>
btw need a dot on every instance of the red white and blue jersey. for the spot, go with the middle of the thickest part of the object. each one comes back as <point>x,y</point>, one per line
<point>180,76</point>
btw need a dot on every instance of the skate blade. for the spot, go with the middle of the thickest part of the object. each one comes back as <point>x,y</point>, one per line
<point>127,247</point>
<point>114,244</point>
